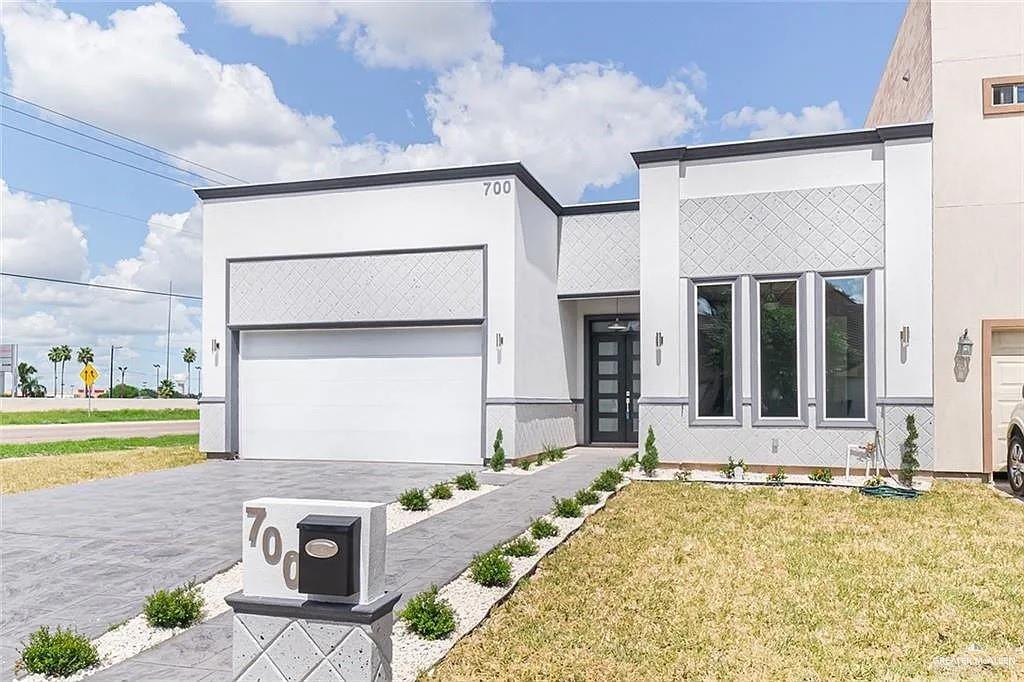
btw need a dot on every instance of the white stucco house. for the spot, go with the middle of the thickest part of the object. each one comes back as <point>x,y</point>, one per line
<point>768,300</point>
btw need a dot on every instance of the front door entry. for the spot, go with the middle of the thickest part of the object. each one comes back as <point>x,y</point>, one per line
<point>614,381</point>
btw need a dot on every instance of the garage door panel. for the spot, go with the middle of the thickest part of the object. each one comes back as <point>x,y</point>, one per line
<point>1007,380</point>
<point>389,395</point>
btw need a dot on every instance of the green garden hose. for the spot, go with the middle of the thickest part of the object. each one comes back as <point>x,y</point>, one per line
<point>888,491</point>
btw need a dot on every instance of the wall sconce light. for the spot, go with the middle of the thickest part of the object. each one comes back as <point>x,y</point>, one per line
<point>905,336</point>
<point>962,359</point>
<point>214,345</point>
<point>659,340</point>
<point>499,341</point>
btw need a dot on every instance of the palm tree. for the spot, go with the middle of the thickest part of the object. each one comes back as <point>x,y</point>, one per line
<point>65,357</point>
<point>54,356</point>
<point>30,386</point>
<point>188,356</point>
<point>85,356</point>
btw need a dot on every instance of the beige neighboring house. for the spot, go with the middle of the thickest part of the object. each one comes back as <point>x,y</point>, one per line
<point>962,65</point>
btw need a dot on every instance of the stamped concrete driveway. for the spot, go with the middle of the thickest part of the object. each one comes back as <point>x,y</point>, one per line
<point>86,555</point>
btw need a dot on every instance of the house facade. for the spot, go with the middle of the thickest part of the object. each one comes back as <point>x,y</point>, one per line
<point>961,64</point>
<point>767,300</point>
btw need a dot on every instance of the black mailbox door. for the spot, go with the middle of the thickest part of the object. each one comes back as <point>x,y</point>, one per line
<point>329,555</point>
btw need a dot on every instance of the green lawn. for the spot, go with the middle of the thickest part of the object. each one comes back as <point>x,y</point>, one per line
<point>677,581</point>
<point>83,416</point>
<point>70,447</point>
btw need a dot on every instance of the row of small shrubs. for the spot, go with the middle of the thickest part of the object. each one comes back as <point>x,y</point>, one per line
<point>63,652</point>
<point>416,499</point>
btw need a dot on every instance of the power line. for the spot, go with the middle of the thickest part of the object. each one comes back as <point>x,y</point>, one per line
<point>110,144</point>
<point>100,286</point>
<point>122,137</point>
<point>139,219</point>
<point>96,154</point>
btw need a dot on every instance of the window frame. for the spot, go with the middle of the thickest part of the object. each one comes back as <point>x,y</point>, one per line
<point>869,420</point>
<point>988,86</point>
<point>800,419</point>
<point>736,419</point>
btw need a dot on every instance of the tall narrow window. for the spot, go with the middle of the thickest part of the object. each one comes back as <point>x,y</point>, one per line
<point>714,350</point>
<point>845,343</point>
<point>778,362</point>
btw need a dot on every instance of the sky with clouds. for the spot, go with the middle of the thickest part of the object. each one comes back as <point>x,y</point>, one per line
<point>275,91</point>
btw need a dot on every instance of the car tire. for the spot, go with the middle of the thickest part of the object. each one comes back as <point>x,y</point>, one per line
<point>1015,463</point>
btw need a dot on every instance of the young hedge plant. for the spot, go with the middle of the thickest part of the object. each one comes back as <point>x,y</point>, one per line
<point>567,508</point>
<point>441,491</point>
<point>177,608</point>
<point>649,462</point>
<point>59,653</point>
<point>491,569</point>
<point>428,615</point>
<point>542,528</point>
<point>587,496</point>
<point>498,458</point>
<point>466,481</point>
<point>414,499</point>
<point>520,547</point>
<point>822,475</point>
<point>607,481</point>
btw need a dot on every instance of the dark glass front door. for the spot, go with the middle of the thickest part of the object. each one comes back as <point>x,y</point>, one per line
<point>614,382</point>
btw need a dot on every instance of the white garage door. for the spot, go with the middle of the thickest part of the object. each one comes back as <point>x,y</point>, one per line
<point>1007,379</point>
<point>407,395</point>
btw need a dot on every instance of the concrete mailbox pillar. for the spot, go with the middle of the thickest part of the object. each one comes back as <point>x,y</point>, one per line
<point>312,605</point>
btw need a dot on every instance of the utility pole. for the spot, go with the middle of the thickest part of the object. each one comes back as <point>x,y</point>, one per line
<point>170,291</point>
<point>111,386</point>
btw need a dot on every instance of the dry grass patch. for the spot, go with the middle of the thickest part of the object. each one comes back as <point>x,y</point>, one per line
<point>30,473</point>
<point>678,581</point>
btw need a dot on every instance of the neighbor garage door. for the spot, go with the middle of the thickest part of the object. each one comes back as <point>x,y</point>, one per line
<point>1007,379</point>
<point>406,395</point>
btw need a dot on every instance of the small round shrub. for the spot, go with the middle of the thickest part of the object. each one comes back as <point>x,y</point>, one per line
<point>555,454</point>
<point>58,654</point>
<point>567,508</point>
<point>414,499</point>
<point>627,463</point>
<point>607,481</point>
<point>520,547</point>
<point>585,497</point>
<point>541,458</point>
<point>441,491</point>
<point>542,528</point>
<point>491,569</point>
<point>524,464</point>
<point>428,615</point>
<point>822,475</point>
<point>177,608</point>
<point>466,481</point>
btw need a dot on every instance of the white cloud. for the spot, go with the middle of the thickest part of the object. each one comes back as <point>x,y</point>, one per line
<point>574,125</point>
<point>771,123</point>
<point>392,34</point>
<point>40,237</point>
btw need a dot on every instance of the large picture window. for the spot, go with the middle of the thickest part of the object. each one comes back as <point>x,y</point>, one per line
<point>714,311</point>
<point>845,344</point>
<point>778,359</point>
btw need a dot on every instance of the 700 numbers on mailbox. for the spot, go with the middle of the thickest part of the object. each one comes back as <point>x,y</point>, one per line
<point>272,548</point>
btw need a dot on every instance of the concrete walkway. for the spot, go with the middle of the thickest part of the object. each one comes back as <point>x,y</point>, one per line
<point>86,555</point>
<point>41,433</point>
<point>435,550</point>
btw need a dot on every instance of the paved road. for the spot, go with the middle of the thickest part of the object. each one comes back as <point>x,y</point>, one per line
<point>39,433</point>
<point>433,551</point>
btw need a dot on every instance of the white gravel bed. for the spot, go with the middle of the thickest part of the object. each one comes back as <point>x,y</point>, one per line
<point>399,518</point>
<point>136,635</point>
<point>755,478</point>
<point>472,603</point>
<point>534,468</point>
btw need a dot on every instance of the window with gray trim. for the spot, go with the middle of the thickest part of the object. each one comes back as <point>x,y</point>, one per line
<point>778,333</point>
<point>714,350</point>
<point>845,347</point>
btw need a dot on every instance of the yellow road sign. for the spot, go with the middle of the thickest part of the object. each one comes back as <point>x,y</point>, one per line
<point>89,375</point>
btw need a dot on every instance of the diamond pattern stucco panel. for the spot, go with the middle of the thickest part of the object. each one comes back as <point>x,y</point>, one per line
<point>819,229</point>
<point>599,252</point>
<point>436,285</point>
<point>538,426</point>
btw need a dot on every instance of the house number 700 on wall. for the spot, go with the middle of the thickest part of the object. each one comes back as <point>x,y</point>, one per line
<point>497,187</point>
<point>271,546</point>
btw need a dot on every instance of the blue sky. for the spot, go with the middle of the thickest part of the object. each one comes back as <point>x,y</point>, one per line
<point>665,73</point>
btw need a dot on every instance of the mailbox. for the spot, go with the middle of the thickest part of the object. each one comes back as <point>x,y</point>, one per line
<point>329,555</point>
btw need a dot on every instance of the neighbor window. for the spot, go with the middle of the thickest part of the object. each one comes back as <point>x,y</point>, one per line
<point>845,362</point>
<point>778,361</point>
<point>714,312</point>
<point>1003,95</point>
